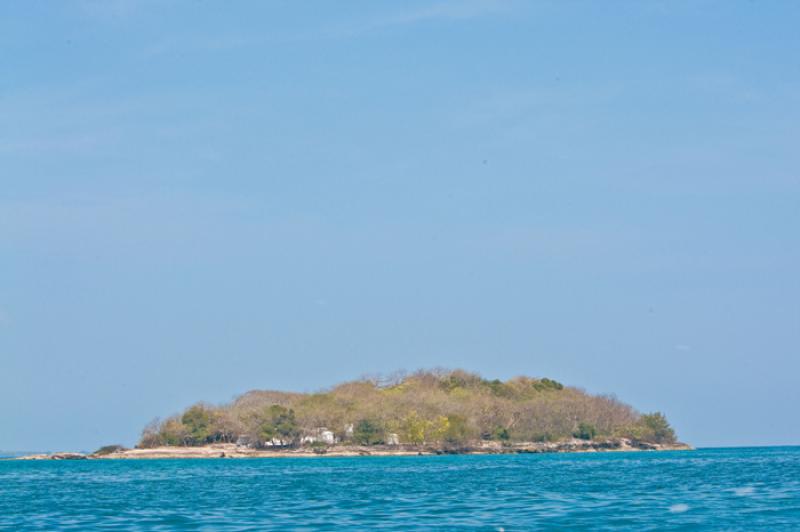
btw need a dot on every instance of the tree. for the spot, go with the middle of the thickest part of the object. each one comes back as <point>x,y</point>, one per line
<point>278,422</point>
<point>413,428</point>
<point>500,434</point>
<point>655,428</point>
<point>151,435</point>
<point>224,426</point>
<point>173,432</point>
<point>436,407</point>
<point>436,429</point>
<point>457,430</point>
<point>197,421</point>
<point>546,384</point>
<point>367,432</point>
<point>585,431</point>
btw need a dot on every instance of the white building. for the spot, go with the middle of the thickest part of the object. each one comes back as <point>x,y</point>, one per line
<point>321,434</point>
<point>327,436</point>
<point>275,442</point>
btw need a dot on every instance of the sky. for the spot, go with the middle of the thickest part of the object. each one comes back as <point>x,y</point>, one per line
<point>202,198</point>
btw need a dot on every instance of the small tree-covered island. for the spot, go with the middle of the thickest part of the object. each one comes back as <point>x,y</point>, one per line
<point>426,412</point>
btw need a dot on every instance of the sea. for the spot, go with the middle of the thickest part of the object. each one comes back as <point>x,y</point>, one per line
<point>706,489</point>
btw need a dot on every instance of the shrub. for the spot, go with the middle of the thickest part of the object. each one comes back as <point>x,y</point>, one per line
<point>585,431</point>
<point>498,388</point>
<point>109,449</point>
<point>319,447</point>
<point>501,434</point>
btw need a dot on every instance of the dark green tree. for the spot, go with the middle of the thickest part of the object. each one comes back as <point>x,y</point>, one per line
<point>545,384</point>
<point>197,421</point>
<point>367,432</point>
<point>279,423</point>
<point>585,431</point>
<point>656,428</point>
<point>500,434</point>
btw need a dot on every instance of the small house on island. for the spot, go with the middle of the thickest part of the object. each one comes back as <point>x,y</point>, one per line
<point>321,435</point>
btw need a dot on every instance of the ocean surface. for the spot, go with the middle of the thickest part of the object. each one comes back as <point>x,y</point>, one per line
<point>743,488</point>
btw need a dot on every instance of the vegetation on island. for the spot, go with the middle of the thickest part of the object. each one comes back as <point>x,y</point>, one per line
<point>444,408</point>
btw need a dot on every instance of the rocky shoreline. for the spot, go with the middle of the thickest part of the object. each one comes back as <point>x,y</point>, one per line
<point>230,450</point>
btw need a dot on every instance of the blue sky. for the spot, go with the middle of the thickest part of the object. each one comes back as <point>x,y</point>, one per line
<point>202,198</point>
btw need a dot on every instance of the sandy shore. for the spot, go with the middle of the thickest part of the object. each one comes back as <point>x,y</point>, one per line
<point>230,450</point>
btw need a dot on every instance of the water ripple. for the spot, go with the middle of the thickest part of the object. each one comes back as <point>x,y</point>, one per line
<point>712,488</point>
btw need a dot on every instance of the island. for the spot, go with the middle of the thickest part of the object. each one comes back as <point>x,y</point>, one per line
<point>421,413</point>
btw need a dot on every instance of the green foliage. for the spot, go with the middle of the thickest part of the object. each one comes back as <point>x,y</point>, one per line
<point>585,431</point>
<point>454,381</point>
<point>653,428</point>
<point>368,432</point>
<point>498,388</point>
<point>426,407</point>
<point>545,385</point>
<point>173,432</point>
<point>412,428</point>
<point>197,421</point>
<point>456,430</point>
<point>109,449</point>
<point>278,423</point>
<point>501,434</point>
<point>319,447</point>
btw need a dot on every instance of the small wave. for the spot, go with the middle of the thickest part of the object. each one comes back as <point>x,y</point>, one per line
<point>678,508</point>
<point>744,491</point>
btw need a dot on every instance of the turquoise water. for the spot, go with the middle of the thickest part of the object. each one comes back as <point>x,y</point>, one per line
<point>711,488</point>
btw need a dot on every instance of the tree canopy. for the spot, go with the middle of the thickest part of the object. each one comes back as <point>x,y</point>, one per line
<point>425,407</point>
